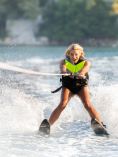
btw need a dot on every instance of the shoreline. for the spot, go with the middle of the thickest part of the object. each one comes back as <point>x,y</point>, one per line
<point>86,43</point>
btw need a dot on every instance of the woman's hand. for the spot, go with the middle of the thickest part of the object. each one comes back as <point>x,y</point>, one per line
<point>81,76</point>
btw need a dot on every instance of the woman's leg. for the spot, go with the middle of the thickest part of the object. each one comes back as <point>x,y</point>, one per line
<point>85,98</point>
<point>65,97</point>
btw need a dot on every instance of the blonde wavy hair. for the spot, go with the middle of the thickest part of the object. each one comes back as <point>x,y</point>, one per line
<point>74,47</point>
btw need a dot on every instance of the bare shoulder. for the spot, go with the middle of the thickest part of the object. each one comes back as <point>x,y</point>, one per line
<point>87,62</point>
<point>62,66</point>
<point>62,62</point>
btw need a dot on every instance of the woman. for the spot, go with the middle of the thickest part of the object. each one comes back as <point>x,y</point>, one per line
<point>76,83</point>
<point>71,85</point>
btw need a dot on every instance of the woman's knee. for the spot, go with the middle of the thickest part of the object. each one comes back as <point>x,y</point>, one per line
<point>88,106</point>
<point>62,105</point>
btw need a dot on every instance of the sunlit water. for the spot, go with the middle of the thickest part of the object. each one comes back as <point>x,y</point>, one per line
<point>25,100</point>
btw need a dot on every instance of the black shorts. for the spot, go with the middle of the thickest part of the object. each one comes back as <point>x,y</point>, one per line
<point>73,84</point>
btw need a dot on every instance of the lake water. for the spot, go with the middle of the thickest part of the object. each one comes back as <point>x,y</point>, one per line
<point>26,99</point>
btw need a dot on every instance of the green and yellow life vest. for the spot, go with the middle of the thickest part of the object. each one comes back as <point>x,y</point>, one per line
<point>74,68</point>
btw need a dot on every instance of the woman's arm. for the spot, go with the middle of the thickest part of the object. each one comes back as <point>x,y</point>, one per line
<point>85,69</point>
<point>62,67</point>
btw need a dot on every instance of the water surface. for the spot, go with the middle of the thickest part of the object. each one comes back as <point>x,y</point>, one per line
<point>25,100</point>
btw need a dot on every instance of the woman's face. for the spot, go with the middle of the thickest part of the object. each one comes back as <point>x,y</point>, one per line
<point>74,55</point>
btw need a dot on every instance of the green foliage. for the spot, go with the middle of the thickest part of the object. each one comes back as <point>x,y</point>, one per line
<point>29,8</point>
<point>2,25</point>
<point>2,6</point>
<point>43,3</point>
<point>63,20</point>
<point>20,8</point>
<point>67,21</point>
<point>101,23</point>
<point>12,9</point>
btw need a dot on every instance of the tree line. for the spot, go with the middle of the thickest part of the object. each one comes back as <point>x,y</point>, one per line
<point>64,21</point>
<point>67,21</point>
<point>16,9</point>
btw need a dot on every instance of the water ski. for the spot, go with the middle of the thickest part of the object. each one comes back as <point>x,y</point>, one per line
<point>98,128</point>
<point>45,127</point>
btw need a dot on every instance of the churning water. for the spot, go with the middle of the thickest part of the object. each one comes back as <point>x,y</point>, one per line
<point>26,99</point>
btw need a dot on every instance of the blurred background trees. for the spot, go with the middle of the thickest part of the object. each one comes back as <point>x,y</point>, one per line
<point>64,21</point>
<point>16,9</point>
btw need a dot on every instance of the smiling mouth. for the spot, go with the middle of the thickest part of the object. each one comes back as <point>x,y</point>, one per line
<point>74,60</point>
